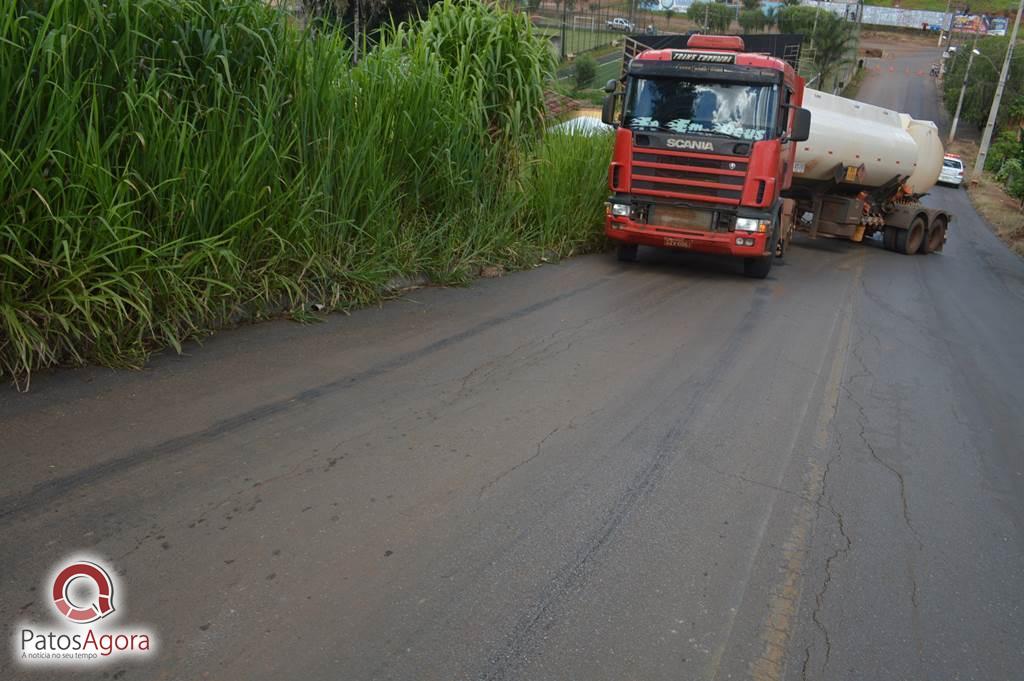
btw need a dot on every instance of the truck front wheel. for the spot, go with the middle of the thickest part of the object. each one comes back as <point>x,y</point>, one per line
<point>758,268</point>
<point>627,252</point>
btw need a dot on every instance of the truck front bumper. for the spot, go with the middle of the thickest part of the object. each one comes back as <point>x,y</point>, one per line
<point>735,243</point>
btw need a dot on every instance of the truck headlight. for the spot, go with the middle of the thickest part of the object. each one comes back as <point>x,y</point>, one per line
<point>621,210</point>
<point>752,225</point>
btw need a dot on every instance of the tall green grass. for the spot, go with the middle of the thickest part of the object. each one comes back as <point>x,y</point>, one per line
<point>170,166</point>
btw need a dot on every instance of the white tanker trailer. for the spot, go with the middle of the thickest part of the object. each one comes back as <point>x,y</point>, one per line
<point>863,170</point>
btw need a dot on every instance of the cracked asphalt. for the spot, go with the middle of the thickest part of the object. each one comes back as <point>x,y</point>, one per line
<point>585,471</point>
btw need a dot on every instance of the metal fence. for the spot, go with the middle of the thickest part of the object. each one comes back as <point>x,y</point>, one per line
<point>582,28</point>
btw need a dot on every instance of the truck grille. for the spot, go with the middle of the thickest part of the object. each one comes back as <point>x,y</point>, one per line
<point>677,219</point>
<point>687,175</point>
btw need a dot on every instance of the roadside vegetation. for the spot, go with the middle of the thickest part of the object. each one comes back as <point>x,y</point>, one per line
<point>830,42</point>
<point>172,166</point>
<point>712,17</point>
<point>1005,160</point>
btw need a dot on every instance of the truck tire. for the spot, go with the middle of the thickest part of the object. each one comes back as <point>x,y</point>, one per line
<point>936,235</point>
<point>627,252</point>
<point>758,268</point>
<point>909,240</point>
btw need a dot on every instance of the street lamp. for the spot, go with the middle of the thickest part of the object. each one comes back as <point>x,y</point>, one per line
<point>963,89</point>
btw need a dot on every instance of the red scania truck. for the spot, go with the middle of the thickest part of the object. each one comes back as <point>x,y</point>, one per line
<point>717,152</point>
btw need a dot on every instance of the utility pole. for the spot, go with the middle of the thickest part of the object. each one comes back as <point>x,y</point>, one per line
<point>949,4</point>
<point>814,27</point>
<point>986,138</point>
<point>852,69</point>
<point>960,102</point>
<point>561,41</point>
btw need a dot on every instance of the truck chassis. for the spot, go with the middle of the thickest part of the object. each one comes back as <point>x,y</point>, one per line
<point>844,209</point>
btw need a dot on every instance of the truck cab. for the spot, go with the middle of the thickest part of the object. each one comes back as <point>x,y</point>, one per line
<point>704,148</point>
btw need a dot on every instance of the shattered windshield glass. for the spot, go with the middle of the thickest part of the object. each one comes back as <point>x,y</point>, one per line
<point>738,110</point>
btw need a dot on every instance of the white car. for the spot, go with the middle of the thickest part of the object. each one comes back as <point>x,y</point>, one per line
<point>586,126</point>
<point>620,24</point>
<point>952,172</point>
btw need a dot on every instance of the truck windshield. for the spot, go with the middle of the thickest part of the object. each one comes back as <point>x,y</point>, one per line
<point>738,110</point>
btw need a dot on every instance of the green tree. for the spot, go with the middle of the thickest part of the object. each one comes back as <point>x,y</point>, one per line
<point>981,85</point>
<point>797,19</point>
<point>584,69</point>
<point>752,20</point>
<point>751,4</point>
<point>832,37</point>
<point>715,17</point>
<point>1006,147</point>
<point>834,41</point>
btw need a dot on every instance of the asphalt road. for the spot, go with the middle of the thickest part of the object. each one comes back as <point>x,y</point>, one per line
<point>586,471</point>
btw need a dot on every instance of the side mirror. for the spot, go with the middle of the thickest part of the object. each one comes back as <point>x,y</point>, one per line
<point>801,125</point>
<point>608,110</point>
<point>610,86</point>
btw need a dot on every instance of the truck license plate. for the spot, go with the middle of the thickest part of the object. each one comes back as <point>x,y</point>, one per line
<point>673,242</point>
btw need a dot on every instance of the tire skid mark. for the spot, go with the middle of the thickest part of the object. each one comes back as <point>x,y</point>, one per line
<point>15,505</point>
<point>529,630</point>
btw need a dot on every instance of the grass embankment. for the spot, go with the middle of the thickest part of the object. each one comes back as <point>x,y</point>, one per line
<point>171,166</point>
<point>853,87</point>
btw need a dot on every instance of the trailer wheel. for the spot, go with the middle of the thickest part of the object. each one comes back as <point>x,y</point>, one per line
<point>909,240</point>
<point>889,238</point>
<point>936,236</point>
<point>627,252</point>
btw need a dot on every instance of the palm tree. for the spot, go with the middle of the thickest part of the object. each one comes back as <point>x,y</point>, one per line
<point>835,41</point>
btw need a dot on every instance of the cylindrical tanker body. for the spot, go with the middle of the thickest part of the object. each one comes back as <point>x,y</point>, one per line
<point>929,154</point>
<point>887,144</point>
<point>862,171</point>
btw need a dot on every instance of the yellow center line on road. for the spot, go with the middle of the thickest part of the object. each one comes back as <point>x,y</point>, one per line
<point>784,600</point>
